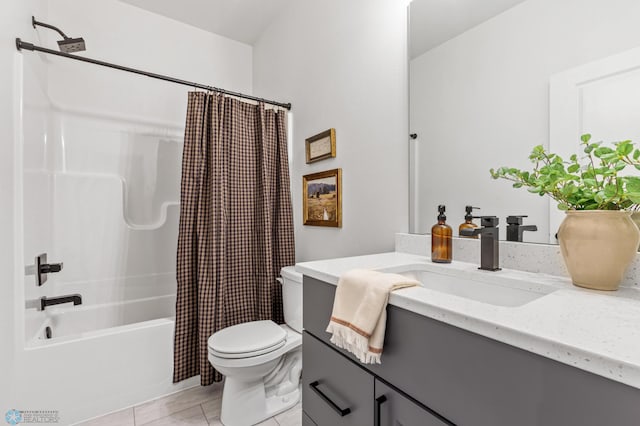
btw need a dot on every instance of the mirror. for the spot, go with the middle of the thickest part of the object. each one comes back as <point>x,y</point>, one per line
<point>491,79</point>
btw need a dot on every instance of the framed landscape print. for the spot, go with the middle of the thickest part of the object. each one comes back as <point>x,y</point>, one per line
<point>322,198</point>
<point>321,146</point>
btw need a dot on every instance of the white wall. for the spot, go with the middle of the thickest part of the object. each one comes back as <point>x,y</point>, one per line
<point>120,33</point>
<point>481,100</point>
<point>344,65</point>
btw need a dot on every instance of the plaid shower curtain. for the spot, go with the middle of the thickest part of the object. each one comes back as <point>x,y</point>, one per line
<point>236,224</point>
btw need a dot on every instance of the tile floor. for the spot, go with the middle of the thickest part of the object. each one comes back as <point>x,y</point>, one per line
<point>198,406</point>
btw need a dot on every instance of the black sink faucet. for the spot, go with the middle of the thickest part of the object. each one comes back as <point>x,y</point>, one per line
<point>489,245</point>
<point>50,301</point>
<point>515,228</point>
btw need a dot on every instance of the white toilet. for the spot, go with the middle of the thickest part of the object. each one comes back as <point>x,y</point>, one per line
<point>261,361</point>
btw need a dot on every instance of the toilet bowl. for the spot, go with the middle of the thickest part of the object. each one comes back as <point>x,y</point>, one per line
<point>261,361</point>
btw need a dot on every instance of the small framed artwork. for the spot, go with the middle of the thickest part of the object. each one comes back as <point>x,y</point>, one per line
<point>322,198</point>
<point>321,146</point>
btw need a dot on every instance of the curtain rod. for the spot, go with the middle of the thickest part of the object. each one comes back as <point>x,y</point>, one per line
<point>30,46</point>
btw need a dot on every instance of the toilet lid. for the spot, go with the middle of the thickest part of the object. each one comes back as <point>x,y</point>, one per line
<point>248,339</point>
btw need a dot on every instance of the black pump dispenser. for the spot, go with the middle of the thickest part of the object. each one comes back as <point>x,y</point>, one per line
<point>469,210</point>
<point>441,216</point>
<point>468,221</point>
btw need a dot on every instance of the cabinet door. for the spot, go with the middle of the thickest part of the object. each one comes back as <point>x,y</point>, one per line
<point>394,409</point>
<point>335,391</point>
<point>306,420</point>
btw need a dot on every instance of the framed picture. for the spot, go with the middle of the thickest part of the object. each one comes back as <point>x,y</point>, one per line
<point>322,198</point>
<point>321,146</point>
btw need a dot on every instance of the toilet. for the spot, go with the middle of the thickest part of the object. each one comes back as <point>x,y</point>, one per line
<point>261,361</point>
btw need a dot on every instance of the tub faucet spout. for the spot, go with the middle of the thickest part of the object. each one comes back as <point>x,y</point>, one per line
<point>50,301</point>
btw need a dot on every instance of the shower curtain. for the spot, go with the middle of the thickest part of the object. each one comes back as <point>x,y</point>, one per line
<point>236,224</point>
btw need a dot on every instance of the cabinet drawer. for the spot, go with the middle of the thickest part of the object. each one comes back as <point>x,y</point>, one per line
<point>393,408</point>
<point>335,391</point>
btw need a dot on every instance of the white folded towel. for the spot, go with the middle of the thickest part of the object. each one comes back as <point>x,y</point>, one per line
<point>359,316</point>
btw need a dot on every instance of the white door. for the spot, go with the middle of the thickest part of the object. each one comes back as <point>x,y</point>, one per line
<point>601,98</point>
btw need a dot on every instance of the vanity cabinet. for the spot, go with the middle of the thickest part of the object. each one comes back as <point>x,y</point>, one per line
<point>438,373</point>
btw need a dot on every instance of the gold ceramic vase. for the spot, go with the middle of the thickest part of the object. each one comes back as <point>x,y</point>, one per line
<point>598,246</point>
<point>635,217</point>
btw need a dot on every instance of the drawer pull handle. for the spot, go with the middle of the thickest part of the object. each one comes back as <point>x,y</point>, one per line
<point>342,411</point>
<point>379,401</point>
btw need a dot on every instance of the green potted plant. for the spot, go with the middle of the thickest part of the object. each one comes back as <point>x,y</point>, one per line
<point>598,239</point>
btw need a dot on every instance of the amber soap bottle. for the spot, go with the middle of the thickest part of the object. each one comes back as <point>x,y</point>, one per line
<point>441,243</point>
<point>468,221</point>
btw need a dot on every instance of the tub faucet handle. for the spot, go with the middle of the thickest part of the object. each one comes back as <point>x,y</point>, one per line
<point>49,268</point>
<point>43,268</point>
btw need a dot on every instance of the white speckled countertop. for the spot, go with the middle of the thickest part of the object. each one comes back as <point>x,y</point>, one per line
<point>596,331</point>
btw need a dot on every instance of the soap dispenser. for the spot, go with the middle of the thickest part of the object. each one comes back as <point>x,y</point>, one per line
<point>441,242</point>
<point>468,221</point>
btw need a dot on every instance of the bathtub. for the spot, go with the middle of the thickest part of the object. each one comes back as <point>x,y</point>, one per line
<point>81,322</point>
<point>102,357</point>
<point>107,304</point>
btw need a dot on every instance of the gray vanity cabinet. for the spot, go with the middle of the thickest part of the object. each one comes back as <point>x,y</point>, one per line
<point>446,374</point>
<point>392,408</point>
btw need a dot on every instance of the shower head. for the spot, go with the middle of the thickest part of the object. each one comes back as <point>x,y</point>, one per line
<point>67,44</point>
<point>71,45</point>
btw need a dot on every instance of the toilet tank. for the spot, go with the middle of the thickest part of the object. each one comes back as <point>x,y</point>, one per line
<point>292,297</point>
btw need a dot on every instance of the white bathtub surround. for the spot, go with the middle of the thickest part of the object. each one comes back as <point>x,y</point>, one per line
<point>529,257</point>
<point>94,182</point>
<point>594,331</point>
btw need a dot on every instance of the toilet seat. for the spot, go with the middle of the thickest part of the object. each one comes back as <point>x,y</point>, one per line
<point>247,340</point>
<point>245,354</point>
<point>293,340</point>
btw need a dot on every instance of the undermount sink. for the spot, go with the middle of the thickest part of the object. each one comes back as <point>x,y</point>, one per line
<point>504,292</point>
